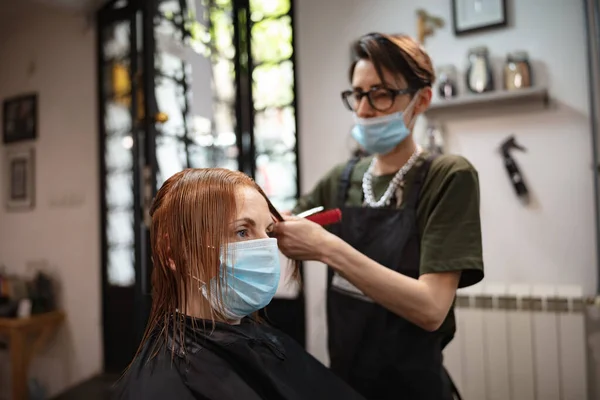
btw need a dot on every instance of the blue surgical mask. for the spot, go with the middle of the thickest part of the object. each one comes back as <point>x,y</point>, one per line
<point>249,277</point>
<point>382,134</point>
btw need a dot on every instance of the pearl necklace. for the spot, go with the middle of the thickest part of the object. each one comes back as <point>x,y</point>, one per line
<point>396,180</point>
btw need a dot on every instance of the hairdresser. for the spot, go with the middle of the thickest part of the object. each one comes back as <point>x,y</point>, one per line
<point>410,233</point>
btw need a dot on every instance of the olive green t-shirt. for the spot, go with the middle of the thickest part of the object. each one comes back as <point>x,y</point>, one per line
<point>448,216</point>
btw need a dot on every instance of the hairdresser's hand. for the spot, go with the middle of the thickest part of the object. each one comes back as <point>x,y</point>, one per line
<point>301,239</point>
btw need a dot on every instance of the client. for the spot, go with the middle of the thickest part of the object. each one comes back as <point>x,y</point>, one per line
<point>215,267</point>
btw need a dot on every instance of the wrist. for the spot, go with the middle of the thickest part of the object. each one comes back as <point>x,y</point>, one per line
<point>330,247</point>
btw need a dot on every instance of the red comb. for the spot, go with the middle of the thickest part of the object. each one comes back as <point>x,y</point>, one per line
<point>326,217</point>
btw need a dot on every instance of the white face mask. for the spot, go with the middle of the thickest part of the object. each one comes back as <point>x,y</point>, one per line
<point>249,277</point>
<point>380,135</point>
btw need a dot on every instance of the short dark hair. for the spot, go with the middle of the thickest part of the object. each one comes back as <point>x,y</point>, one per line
<point>399,54</point>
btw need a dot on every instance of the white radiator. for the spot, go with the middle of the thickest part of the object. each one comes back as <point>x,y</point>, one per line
<point>519,342</point>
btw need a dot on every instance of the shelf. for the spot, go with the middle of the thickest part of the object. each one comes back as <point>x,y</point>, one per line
<point>489,100</point>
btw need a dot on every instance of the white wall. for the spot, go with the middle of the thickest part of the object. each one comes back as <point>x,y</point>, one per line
<point>53,53</point>
<point>550,242</point>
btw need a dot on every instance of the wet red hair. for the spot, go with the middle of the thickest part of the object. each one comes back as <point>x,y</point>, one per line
<point>191,217</point>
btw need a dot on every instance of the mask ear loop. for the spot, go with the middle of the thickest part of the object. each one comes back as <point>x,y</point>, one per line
<point>202,288</point>
<point>410,107</point>
<point>201,283</point>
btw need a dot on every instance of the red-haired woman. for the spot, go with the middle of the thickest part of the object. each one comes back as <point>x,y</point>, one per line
<point>215,266</point>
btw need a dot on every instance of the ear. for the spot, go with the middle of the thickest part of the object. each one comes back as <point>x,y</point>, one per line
<point>171,262</point>
<point>424,100</point>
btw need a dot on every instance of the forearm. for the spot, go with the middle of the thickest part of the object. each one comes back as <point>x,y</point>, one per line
<point>409,298</point>
<point>304,203</point>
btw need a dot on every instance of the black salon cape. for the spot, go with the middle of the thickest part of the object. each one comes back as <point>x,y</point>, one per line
<point>249,361</point>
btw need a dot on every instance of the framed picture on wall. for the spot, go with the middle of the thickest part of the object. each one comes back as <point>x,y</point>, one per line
<point>20,179</point>
<point>20,120</point>
<point>476,15</point>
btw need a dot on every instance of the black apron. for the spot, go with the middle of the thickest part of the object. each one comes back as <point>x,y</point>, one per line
<point>380,354</point>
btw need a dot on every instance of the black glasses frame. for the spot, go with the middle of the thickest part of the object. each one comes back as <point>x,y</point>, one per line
<point>392,92</point>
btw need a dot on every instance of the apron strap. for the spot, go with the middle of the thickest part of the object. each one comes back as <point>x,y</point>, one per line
<point>455,393</point>
<point>342,195</point>
<point>412,197</point>
<point>345,181</point>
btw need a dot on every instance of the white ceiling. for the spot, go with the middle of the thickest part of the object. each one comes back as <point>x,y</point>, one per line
<point>11,9</point>
<point>73,5</point>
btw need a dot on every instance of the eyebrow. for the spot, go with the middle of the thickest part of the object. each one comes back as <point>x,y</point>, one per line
<point>250,222</point>
<point>381,85</point>
<point>377,86</point>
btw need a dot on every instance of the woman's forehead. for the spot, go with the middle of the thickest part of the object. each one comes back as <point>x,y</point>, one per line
<point>251,204</point>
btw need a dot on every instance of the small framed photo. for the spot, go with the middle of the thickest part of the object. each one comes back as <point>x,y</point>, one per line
<point>20,179</point>
<point>20,120</point>
<point>477,15</point>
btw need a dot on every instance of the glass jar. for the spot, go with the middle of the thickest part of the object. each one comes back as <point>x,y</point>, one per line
<point>479,72</point>
<point>447,81</point>
<point>517,71</point>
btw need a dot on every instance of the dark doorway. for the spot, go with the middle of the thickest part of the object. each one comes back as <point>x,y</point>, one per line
<point>187,84</point>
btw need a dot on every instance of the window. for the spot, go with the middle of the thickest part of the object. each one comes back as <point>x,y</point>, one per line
<point>237,63</point>
<point>224,85</point>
